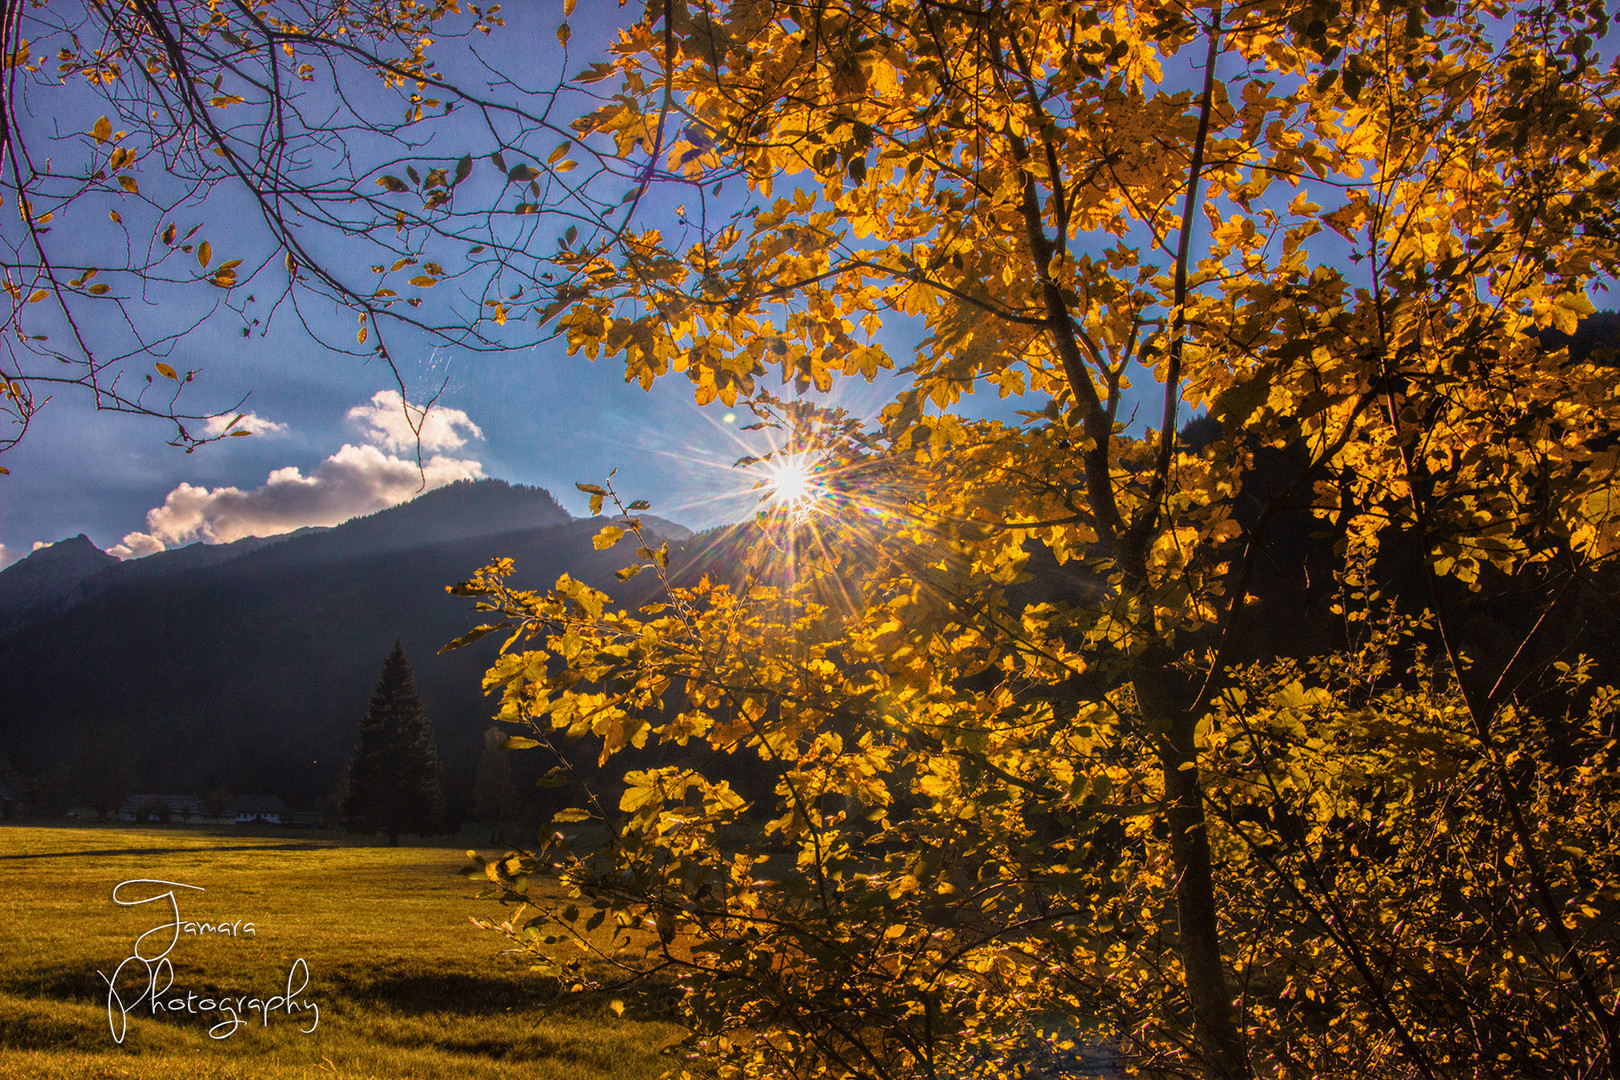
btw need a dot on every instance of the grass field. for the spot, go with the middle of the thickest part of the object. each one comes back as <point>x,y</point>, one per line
<point>405,985</point>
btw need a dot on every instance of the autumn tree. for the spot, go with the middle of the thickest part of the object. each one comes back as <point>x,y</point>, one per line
<point>1025,808</point>
<point>394,775</point>
<point>1021,814</point>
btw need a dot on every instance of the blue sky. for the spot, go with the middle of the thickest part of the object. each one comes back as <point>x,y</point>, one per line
<point>532,415</point>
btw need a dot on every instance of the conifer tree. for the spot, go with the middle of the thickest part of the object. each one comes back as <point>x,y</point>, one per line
<point>494,795</point>
<point>394,775</point>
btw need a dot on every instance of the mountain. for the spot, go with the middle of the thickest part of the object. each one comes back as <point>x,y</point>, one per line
<point>459,511</point>
<point>248,666</point>
<point>74,571</point>
<point>47,578</point>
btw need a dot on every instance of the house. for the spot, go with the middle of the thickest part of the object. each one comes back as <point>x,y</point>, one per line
<point>16,801</point>
<point>191,810</point>
<point>179,809</point>
<point>257,810</point>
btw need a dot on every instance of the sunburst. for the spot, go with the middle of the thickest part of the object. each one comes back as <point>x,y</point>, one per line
<point>793,485</point>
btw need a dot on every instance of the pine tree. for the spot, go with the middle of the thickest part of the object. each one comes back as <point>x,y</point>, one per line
<point>394,776</point>
<point>494,795</point>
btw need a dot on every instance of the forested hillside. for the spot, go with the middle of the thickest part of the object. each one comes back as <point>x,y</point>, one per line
<point>251,673</point>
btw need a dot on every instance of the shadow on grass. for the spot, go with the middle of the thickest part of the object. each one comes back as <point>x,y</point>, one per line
<point>502,988</point>
<point>58,982</point>
<point>403,990</point>
<point>531,1047</point>
<point>305,846</point>
<point>42,1029</point>
<point>394,987</point>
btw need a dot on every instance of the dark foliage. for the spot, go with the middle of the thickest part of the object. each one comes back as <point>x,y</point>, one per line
<point>394,776</point>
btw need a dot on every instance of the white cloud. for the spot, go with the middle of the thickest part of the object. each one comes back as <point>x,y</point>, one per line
<point>355,480</point>
<point>388,421</point>
<point>216,425</point>
<point>136,544</point>
<point>9,556</point>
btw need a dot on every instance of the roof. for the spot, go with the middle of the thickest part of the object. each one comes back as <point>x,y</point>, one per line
<point>257,804</point>
<point>177,804</point>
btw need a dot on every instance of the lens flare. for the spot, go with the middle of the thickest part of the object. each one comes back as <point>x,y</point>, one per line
<point>792,483</point>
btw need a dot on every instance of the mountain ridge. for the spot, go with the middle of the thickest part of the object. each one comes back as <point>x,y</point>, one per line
<point>72,575</point>
<point>251,672</point>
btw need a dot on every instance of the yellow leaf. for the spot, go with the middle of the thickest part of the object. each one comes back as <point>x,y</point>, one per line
<point>204,254</point>
<point>166,371</point>
<point>103,130</point>
<point>607,537</point>
<point>422,281</point>
<point>128,184</point>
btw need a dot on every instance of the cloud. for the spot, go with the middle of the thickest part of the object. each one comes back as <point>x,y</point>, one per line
<point>387,422</point>
<point>136,544</point>
<point>258,425</point>
<point>9,556</point>
<point>356,480</point>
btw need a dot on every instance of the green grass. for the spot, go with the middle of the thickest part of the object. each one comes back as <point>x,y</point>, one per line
<point>407,987</point>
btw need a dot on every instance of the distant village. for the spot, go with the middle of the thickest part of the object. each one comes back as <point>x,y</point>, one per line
<point>217,808</point>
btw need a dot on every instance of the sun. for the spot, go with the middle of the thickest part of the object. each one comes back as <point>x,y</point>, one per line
<point>792,484</point>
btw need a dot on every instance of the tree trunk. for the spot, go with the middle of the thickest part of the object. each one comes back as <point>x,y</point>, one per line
<point>1215,1024</point>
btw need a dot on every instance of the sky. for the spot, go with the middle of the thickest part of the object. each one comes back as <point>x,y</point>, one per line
<point>329,437</point>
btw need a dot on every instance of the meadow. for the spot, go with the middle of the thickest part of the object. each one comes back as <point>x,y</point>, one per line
<point>405,985</point>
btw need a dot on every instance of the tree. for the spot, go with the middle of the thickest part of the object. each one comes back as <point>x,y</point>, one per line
<point>394,774</point>
<point>217,803</point>
<point>1025,813</point>
<point>102,769</point>
<point>494,797</point>
<point>1025,805</point>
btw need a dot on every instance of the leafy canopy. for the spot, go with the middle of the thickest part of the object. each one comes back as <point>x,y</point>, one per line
<point>1031,783</point>
<point>1031,792</point>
